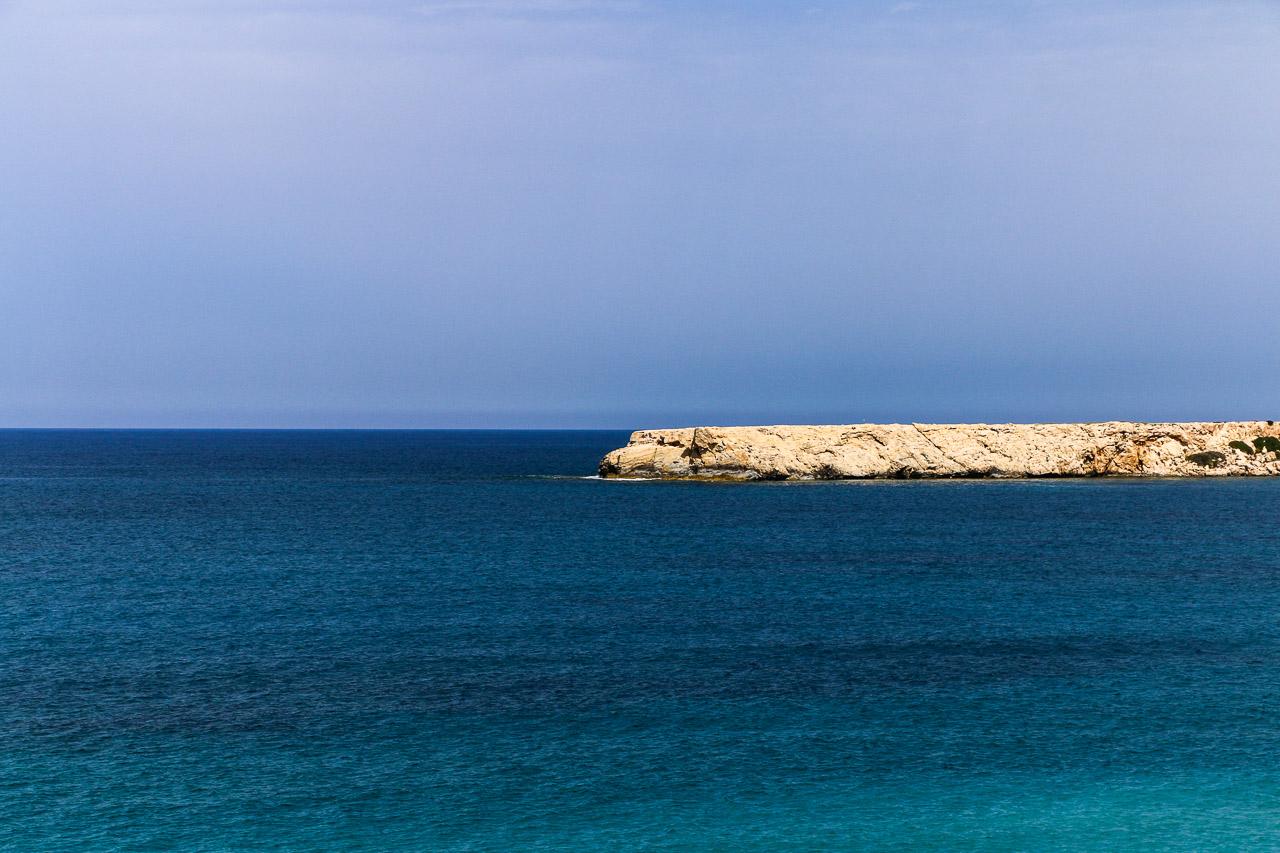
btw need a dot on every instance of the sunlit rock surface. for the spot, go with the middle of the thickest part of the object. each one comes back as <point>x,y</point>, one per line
<point>862,451</point>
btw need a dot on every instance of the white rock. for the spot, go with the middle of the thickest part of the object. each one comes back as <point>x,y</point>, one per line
<point>1115,448</point>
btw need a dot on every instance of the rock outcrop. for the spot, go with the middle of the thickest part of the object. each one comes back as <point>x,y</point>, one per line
<point>865,451</point>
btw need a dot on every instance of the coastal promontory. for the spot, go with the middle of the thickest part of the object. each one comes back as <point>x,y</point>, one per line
<point>910,451</point>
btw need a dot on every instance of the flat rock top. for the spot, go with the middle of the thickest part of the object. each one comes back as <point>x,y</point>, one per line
<point>863,451</point>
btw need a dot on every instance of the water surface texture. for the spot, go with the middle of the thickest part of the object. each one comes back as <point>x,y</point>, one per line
<point>457,641</point>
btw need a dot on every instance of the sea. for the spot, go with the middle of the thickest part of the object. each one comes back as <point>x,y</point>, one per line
<point>463,641</point>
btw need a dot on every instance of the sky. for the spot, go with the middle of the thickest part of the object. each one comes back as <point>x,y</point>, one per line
<point>636,213</point>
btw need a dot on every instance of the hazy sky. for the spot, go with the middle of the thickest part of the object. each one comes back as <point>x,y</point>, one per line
<point>636,213</point>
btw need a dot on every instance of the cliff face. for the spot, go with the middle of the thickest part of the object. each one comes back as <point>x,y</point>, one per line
<point>861,451</point>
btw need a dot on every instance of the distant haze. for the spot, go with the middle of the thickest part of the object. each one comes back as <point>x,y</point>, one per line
<point>628,214</point>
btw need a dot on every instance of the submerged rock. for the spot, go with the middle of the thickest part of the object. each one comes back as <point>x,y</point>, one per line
<point>865,451</point>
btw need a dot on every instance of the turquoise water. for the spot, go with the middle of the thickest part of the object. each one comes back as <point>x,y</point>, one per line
<point>456,641</point>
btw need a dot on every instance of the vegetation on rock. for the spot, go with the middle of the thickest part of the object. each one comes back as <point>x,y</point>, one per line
<point>1267,444</point>
<point>1208,458</point>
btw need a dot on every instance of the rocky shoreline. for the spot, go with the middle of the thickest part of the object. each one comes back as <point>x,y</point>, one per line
<point>911,451</point>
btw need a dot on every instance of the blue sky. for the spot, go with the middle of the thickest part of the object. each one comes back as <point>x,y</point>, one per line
<point>636,213</point>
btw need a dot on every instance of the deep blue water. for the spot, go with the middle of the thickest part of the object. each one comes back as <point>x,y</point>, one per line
<point>454,641</point>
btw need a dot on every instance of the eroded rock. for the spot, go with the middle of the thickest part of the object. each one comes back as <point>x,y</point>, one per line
<point>865,451</point>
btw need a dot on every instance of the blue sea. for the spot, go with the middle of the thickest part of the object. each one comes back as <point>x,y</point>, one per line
<point>460,641</point>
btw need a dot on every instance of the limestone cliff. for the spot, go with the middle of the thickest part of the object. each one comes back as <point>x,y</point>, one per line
<point>864,451</point>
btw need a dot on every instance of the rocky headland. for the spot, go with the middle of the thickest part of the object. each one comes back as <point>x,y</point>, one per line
<point>909,451</point>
